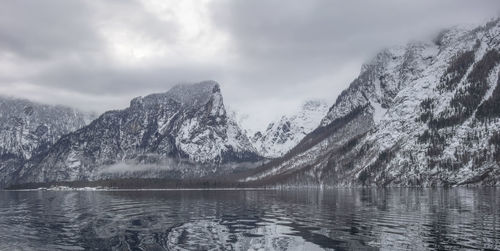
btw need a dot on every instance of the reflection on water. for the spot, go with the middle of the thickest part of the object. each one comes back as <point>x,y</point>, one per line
<point>350,219</point>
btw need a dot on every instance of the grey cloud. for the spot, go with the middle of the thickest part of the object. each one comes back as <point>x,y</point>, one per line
<point>41,29</point>
<point>109,79</point>
<point>285,46</point>
<point>309,35</point>
<point>279,52</point>
<point>62,37</point>
<point>59,28</point>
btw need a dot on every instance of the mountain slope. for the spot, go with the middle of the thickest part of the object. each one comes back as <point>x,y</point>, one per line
<point>284,134</point>
<point>183,132</point>
<point>421,115</point>
<point>28,128</point>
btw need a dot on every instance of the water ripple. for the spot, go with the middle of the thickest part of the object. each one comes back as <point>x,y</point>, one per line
<point>349,219</point>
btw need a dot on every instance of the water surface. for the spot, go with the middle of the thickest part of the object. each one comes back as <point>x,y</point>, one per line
<point>344,219</point>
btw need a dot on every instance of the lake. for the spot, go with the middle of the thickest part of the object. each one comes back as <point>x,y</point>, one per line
<point>343,219</point>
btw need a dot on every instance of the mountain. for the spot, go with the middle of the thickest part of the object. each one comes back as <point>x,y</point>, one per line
<point>28,128</point>
<point>282,135</point>
<point>425,114</point>
<point>184,132</point>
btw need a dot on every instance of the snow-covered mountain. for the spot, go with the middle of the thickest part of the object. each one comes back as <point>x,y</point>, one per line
<point>28,128</point>
<point>282,135</point>
<point>423,114</point>
<point>420,115</point>
<point>183,132</point>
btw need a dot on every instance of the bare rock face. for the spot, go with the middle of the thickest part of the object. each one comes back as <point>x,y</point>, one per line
<point>28,128</point>
<point>184,132</point>
<point>425,114</point>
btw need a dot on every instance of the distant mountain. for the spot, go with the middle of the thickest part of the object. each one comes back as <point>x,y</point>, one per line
<point>184,132</point>
<point>28,128</point>
<point>284,134</point>
<point>426,114</point>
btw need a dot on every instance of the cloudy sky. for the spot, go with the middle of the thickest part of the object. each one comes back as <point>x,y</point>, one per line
<point>269,56</point>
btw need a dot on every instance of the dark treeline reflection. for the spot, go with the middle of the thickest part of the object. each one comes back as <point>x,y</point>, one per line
<point>349,219</point>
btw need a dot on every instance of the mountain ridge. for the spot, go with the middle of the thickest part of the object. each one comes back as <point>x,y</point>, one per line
<point>176,134</point>
<point>29,128</point>
<point>283,134</point>
<point>423,114</point>
<point>422,102</point>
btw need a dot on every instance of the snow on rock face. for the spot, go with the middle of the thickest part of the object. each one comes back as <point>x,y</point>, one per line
<point>185,127</point>
<point>28,128</point>
<point>434,119</point>
<point>284,134</point>
<point>381,79</point>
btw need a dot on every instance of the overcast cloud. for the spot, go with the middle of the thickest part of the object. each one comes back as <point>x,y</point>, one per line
<point>269,56</point>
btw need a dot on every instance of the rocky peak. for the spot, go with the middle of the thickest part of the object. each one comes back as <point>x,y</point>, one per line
<point>187,95</point>
<point>424,114</point>
<point>27,127</point>
<point>280,136</point>
<point>382,78</point>
<point>186,125</point>
<point>194,95</point>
